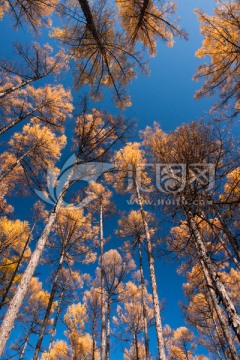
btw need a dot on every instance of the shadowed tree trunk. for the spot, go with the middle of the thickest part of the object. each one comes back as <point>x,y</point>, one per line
<point>26,343</point>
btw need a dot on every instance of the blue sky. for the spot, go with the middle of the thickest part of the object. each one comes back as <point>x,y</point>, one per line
<point>166,96</point>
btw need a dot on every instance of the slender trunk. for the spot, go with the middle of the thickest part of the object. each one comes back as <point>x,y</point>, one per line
<point>140,19</point>
<point>135,339</point>
<point>215,284</point>
<point>90,21</point>
<point>94,336</point>
<point>230,237</point>
<point>16,302</point>
<point>17,121</point>
<point>17,87</point>
<point>26,343</point>
<point>219,312</point>
<point>211,304</point>
<point>156,305</point>
<point>16,270</point>
<point>143,292</point>
<point>108,328</point>
<point>55,324</point>
<point>103,296</point>
<point>12,167</point>
<point>48,310</point>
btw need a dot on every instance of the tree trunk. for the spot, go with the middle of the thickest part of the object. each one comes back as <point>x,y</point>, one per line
<point>209,271</point>
<point>156,305</point>
<point>12,167</point>
<point>143,291</point>
<point>141,18</point>
<point>17,87</point>
<point>90,21</point>
<point>17,121</point>
<point>48,310</point>
<point>108,329</point>
<point>229,235</point>
<point>25,343</point>
<point>103,296</point>
<point>55,324</point>
<point>135,339</point>
<point>16,302</point>
<point>16,270</point>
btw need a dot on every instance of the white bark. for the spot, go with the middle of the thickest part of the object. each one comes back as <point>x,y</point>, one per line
<point>16,302</point>
<point>103,295</point>
<point>143,292</point>
<point>156,304</point>
<point>216,284</point>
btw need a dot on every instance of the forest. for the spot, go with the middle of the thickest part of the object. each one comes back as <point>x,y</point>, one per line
<point>119,180</point>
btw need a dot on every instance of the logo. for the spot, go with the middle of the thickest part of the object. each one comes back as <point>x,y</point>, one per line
<point>88,172</point>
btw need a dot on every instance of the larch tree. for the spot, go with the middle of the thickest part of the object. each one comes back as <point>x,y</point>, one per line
<point>115,268</point>
<point>130,178</point>
<point>60,350</point>
<point>74,233</point>
<point>149,20</point>
<point>102,54</point>
<point>50,104</point>
<point>190,145</point>
<point>31,315</point>
<point>101,205</point>
<point>35,13</point>
<point>95,135</point>
<point>221,44</point>
<point>81,342</point>
<point>131,317</point>
<point>35,62</point>
<point>132,227</point>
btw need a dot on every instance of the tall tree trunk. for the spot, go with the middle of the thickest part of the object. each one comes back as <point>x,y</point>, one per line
<point>23,83</point>
<point>53,333</point>
<point>108,328</point>
<point>17,121</point>
<point>156,305</point>
<point>16,302</point>
<point>103,295</point>
<point>12,167</point>
<point>219,311</point>
<point>135,339</point>
<point>4,297</point>
<point>26,343</point>
<point>216,284</point>
<point>94,337</point>
<point>140,19</point>
<point>143,292</point>
<point>48,310</point>
<point>230,237</point>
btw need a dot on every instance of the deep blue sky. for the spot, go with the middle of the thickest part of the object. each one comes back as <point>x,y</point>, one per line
<point>166,96</point>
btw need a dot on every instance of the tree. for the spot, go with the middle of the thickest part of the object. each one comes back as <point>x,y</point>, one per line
<point>221,44</point>
<point>128,161</point>
<point>115,269</point>
<point>49,104</point>
<point>133,227</point>
<point>193,144</point>
<point>146,21</point>
<point>35,63</point>
<point>34,13</point>
<point>131,318</point>
<point>74,232</point>
<point>59,351</point>
<point>102,55</point>
<point>95,135</point>
<point>81,343</point>
<point>101,205</point>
